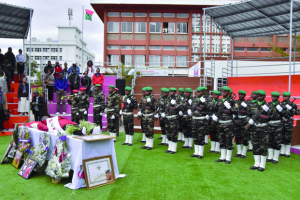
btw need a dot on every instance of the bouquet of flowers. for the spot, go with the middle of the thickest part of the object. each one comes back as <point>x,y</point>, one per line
<point>88,125</point>
<point>60,162</point>
<point>24,141</point>
<point>71,128</point>
<point>39,153</point>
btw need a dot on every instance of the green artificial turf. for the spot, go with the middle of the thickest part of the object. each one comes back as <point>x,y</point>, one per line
<point>158,175</point>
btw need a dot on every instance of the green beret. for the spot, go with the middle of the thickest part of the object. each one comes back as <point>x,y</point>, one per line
<point>128,88</point>
<point>173,89</point>
<point>111,86</point>
<point>231,90</point>
<point>165,90</point>
<point>97,85</point>
<point>242,92</point>
<point>199,89</point>
<point>253,92</point>
<point>217,92</point>
<point>149,88</point>
<point>188,90</point>
<point>275,93</point>
<point>204,88</point>
<point>225,88</point>
<point>161,89</point>
<point>261,92</point>
<point>181,89</point>
<point>144,89</point>
<point>286,94</point>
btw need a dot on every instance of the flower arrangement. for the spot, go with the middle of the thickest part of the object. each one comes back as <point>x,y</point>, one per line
<point>60,162</point>
<point>24,141</point>
<point>88,125</point>
<point>71,128</point>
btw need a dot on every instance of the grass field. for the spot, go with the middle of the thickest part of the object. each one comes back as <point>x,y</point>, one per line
<point>158,175</point>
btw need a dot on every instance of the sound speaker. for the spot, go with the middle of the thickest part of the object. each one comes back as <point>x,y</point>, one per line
<point>120,84</point>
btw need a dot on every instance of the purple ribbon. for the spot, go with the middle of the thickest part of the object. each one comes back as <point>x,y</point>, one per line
<point>43,144</point>
<point>24,140</point>
<point>63,138</point>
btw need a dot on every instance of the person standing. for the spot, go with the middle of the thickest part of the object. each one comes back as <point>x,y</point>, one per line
<point>86,82</point>
<point>130,104</point>
<point>57,69</point>
<point>49,67</point>
<point>3,81</point>
<point>288,121</point>
<point>49,81</point>
<point>111,111</point>
<point>3,108</point>
<point>61,91</point>
<point>147,113</point>
<point>98,104</point>
<point>140,106</point>
<point>160,109</point>
<point>74,102</point>
<point>23,94</point>
<point>226,109</point>
<point>180,98</point>
<point>98,78</point>
<point>1,57</point>
<point>12,60</point>
<point>37,105</point>
<point>74,66</point>
<point>252,103</point>
<point>90,69</point>
<point>21,61</point>
<point>84,104</point>
<point>74,81</point>
<point>208,99</point>
<point>5,67</point>
<point>65,71</point>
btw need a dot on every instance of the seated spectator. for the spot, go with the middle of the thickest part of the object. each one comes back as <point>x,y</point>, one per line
<point>49,81</point>
<point>57,69</point>
<point>3,108</point>
<point>86,82</point>
<point>5,67</point>
<point>23,94</point>
<point>65,71</point>
<point>3,81</point>
<point>37,105</point>
<point>98,78</point>
<point>49,67</point>
<point>61,90</point>
<point>21,61</point>
<point>74,81</point>
<point>90,69</point>
<point>74,66</point>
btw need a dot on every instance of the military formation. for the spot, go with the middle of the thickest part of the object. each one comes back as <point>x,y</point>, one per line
<point>256,125</point>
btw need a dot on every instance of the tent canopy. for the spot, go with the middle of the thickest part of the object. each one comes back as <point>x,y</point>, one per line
<point>256,17</point>
<point>14,21</point>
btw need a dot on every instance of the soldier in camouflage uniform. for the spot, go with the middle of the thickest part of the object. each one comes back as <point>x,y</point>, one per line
<point>130,104</point>
<point>259,138</point>
<point>73,101</point>
<point>147,112</point>
<point>171,115</point>
<point>160,109</point>
<point>180,98</point>
<point>226,109</point>
<point>200,116</point>
<point>140,106</point>
<point>292,109</point>
<point>112,111</point>
<point>208,99</point>
<point>120,104</point>
<point>187,125</point>
<point>212,130</point>
<point>251,103</point>
<point>99,105</point>
<point>157,115</point>
<point>240,121</point>
<point>84,104</point>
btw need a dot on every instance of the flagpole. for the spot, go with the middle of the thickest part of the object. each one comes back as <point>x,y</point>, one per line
<point>82,39</point>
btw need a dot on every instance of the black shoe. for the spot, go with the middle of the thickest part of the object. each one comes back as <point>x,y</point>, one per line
<point>115,141</point>
<point>181,141</point>
<point>237,155</point>
<point>227,162</point>
<point>193,156</point>
<point>281,154</point>
<point>220,160</point>
<point>217,152</point>
<point>211,151</point>
<point>191,148</point>
<point>274,162</point>
<point>160,138</point>
<point>149,148</point>
<point>125,143</point>
<point>161,144</point>
<point>172,152</point>
<point>167,151</point>
<point>184,147</point>
<point>129,144</point>
<point>200,157</point>
<point>206,143</point>
<point>287,156</point>
<point>261,169</point>
<point>254,168</point>
<point>242,156</point>
<point>166,144</point>
<point>144,147</point>
<point>142,141</point>
<point>250,150</point>
<point>269,160</point>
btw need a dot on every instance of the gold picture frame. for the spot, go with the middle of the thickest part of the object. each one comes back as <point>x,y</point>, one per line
<point>17,159</point>
<point>94,137</point>
<point>98,171</point>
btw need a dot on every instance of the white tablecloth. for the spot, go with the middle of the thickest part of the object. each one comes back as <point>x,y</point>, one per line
<point>80,150</point>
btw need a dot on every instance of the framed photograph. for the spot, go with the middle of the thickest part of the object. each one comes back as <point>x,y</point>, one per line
<point>27,168</point>
<point>6,152</point>
<point>94,137</point>
<point>98,171</point>
<point>17,159</point>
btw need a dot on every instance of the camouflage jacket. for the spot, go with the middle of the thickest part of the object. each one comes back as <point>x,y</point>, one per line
<point>185,105</point>
<point>256,112</point>
<point>112,103</point>
<point>148,107</point>
<point>223,113</point>
<point>212,107</point>
<point>242,110</point>
<point>99,100</point>
<point>74,102</point>
<point>290,113</point>
<point>161,103</point>
<point>200,108</point>
<point>84,101</point>
<point>129,107</point>
<point>171,109</point>
<point>274,114</point>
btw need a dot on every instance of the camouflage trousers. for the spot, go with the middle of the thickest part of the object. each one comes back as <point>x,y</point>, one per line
<point>74,117</point>
<point>188,128</point>
<point>225,131</point>
<point>240,133</point>
<point>97,116</point>
<point>213,132</point>
<point>142,127</point>
<point>275,133</point>
<point>259,140</point>
<point>172,129</point>
<point>148,126</point>
<point>199,129</point>
<point>162,125</point>
<point>181,123</point>
<point>111,123</point>
<point>128,124</point>
<point>82,116</point>
<point>287,132</point>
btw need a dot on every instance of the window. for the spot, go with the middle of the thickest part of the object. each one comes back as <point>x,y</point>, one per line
<point>113,27</point>
<point>60,58</point>
<point>126,14</point>
<point>264,49</point>
<point>154,60</point>
<point>184,48</point>
<point>182,15</point>
<point>168,47</point>
<point>28,49</point>
<point>196,23</point>
<point>140,60</point>
<point>140,27</point>
<point>38,49</point>
<point>112,46</point>
<point>54,49</point>
<point>182,61</point>
<point>155,27</point>
<point>45,49</point>
<point>239,49</point>
<point>126,47</point>
<point>215,46</point>
<point>252,49</point>
<point>36,57</point>
<point>126,27</point>
<point>155,15</point>
<point>154,47</point>
<point>53,58</point>
<point>113,14</point>
<point>140,14</point>
<point>139,47</point>
<point>182,27</point>
<point>168,27</point>
<point>168,61</point>
<point>126,60</point>
<point>45,57</point>
<point>112,60</point>
<point>60,50</point>
<point>169,14</point>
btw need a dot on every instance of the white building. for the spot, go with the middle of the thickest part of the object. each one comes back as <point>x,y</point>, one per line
<point>67,48</point>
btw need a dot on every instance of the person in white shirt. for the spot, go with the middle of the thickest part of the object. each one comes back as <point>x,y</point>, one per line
<point>20,60</point>
<point>90,69</point>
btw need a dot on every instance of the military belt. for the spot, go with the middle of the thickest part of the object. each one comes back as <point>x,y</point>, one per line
<point>82,109</point>
<point>225,121</point>
<point>76,108</point>
<point>274,122</point>
<point>198,117</point>
<point>96,106</point>
<point>171,117</point>
<point>184,115</point>
<point>147,115</point>
<point>128,113</point>
<point>261,124</point>
<point>109,110</point>
<point>242,116</point>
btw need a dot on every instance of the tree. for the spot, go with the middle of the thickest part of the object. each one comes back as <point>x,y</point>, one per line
<point>279,51</point>
<point>125,74</point>
<point>34,72</point>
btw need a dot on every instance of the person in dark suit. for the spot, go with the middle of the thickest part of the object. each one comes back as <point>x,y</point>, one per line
<point>37,105</point>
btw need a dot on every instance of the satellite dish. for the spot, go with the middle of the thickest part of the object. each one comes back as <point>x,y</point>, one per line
<point>49,40</point>
<point>34,39</point>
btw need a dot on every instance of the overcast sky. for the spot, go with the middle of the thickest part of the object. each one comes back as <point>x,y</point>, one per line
<point>50,13</point>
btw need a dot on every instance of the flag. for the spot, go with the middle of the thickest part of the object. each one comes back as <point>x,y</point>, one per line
<point>88,14</point>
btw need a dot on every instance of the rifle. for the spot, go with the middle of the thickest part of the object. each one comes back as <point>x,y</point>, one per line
<point>234,95</point>
<point>249,99</point>
<point>255,117</point>
<point>218,114</point>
